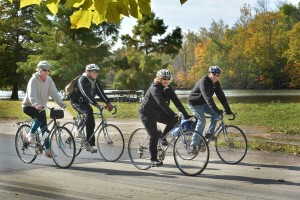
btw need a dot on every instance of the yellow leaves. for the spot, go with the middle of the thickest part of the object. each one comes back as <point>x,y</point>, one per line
<point>24,3</point>
<point>183,1</point>
<point>113,13</point>
<point>145,7</point>
<point>81,19</point>
<point>75,3</point>
<point>52,5</point>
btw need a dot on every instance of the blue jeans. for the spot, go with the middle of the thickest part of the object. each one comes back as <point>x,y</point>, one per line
<point>199,111</point>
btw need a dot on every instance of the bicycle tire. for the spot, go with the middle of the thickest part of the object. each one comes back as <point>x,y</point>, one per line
<point>72,127</point>
<point>231,145</point>
<point>110,143</point>
<point>62,146</point>
<point>138,149</point>
<point>189,162</point>
<point>26,152</point>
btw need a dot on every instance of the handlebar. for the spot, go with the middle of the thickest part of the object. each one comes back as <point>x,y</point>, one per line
<point>101,108</point>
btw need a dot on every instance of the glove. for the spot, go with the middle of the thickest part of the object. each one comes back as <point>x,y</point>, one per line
<point>109,107</point>
<point>63,106</point>
<point>39,107</point>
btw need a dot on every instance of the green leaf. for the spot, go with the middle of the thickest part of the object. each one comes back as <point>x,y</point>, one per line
<point>81,19</point>
<point>145,7</point>
<point>113,13</point>
<point>133,9</point>
<point>25,3</point>
<point>124,5</point>
<point>183,1</point>
<point>74,3</point>
<point>53,6</point>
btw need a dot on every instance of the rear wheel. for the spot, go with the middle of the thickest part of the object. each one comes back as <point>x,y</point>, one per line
<point>190,157</point>
<point>110,142</point>
<point>231,144</point>
<point>138,149</point>
<point>78,141</point>
<point>26,152</point>
<point>62,147</point>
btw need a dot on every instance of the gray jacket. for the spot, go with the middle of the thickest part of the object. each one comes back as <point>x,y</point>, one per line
<point>38,92</point>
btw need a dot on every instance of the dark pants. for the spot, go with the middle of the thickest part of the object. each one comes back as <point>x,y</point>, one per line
<point>87,121</point>
<point>150,123</point>
<point>35,114</point>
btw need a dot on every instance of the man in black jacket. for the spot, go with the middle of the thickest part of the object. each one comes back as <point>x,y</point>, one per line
<point>201,101</point>
<point>85,90</point>
<point>155,108</point>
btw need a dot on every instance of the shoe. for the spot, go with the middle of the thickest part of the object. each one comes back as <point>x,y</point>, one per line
<point>202,147</point>
<point>79,134</point>
<point>208,135</point>
<point>194,150</point>
<point>89,148</point>
<point>164,142</point>
<point>30,138</point>
<point>156,163</point>
<point>49,154</point>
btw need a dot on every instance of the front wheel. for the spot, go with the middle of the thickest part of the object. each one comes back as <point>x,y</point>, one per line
<point>62,147</point>
<point>231,144</point>
<point>78,141</point>
<point>138,149</point>
<point>191,153</point>
<point>26,152</point>
<point>110,142</point>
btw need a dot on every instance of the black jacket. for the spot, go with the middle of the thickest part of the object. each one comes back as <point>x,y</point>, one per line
<point>83,92</point>
<point>157,100</point>
<point>203,92</point>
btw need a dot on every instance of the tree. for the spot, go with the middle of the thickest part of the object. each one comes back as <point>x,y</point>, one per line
<point>144,33</point>
<point>16,28</point>
<point>97,11</point>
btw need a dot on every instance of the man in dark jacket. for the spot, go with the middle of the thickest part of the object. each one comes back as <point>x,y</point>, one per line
<point>85,90</point>
<point>155,108</point>
<point>201,101</point>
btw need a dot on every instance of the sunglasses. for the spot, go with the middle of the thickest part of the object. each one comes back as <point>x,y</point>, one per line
<point>166,79</point>
<point>216,75</point>
<point>46,70</point>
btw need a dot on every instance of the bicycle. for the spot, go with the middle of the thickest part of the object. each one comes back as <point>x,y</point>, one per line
<point>230,141</point>
<point>187,160</point>
<point>62,144</point>
<point>110,140</point>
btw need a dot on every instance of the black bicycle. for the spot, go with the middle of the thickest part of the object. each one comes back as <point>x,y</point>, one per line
<point>62,144</point>
<point>110,140</point>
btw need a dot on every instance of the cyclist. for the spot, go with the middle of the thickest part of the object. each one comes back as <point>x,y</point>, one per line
<point>85,90</point>
<point>39,88</point>
<point>201,101</point>
<point>155,108</point>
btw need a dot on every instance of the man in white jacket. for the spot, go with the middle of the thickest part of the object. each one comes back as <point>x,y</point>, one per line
<point>39,88</point>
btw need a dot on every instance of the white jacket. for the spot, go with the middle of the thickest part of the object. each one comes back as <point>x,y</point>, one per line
<point>38,92</point>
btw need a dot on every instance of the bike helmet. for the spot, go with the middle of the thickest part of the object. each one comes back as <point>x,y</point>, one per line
<point>43,65</point>
<point>92,67</point>
<point>214,70</point>
<point>163,73</point>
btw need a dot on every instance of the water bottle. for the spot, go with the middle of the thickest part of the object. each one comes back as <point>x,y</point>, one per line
<point>46,134</point>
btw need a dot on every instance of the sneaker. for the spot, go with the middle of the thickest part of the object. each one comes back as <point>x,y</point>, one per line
<point>156,163</point>
<point>49,154</point>
<point>164,142</point>
<point>79,134</point>
<point>194,150</point>
<point>30,138</point>
<point>202,147</point>
<point>89,148</point>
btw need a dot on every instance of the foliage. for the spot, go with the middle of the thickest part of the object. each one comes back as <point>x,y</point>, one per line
<point>96,11</point>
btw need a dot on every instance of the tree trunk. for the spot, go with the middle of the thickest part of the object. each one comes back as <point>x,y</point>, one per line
<point>14,94</point>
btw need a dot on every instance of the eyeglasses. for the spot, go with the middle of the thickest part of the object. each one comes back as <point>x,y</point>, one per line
<point>216,75</point>
<point>166,79</point>
<point>46,70</point>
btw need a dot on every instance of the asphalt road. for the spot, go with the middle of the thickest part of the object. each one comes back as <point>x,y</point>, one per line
<point>260,176</point>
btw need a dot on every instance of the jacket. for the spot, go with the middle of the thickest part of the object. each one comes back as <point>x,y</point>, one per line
<point>157,100</point>
<point>85,91</point>
<point>203,92</point>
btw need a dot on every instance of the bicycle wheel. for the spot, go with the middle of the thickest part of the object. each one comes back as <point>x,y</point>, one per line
<point>138,149</point>
<point>231,144</point>
<point>62,147</point>
<point>110,142</point>
<point>71,126</point>
<point>26,152</point>
<point>190,159</point>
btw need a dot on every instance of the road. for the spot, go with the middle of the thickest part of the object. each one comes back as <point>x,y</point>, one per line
<point>259,176</point>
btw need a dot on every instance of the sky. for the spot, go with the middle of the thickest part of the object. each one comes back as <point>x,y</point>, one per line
<point>197,13</point>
